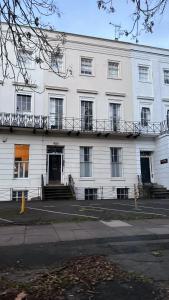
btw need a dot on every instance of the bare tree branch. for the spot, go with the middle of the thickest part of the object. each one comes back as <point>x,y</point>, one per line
<point>143,15</point>
<point>25,33</point>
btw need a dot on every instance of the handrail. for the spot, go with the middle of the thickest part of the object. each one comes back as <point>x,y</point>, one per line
<point>42,187</point>
<point>85,124</point>
<point>72,185</point>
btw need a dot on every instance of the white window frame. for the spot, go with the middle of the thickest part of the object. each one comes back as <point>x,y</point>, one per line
<point>90,161</point>
<point>24,94</point>
<point>148,104</point>
<point>56,120</point>
<point>144,120</point>
<point>27,65</point>
<point>26,194</point>
<point>120,163</point>
<point>112,124</point>
<point>119,70</point>
<point>165,69</point>
<point>60,95</point>
<point>95,195</point>
<point>87,98</point>
<point>60,67</point>
<point>92,66</point>
<point>148,79</point>
<point>21,163</point>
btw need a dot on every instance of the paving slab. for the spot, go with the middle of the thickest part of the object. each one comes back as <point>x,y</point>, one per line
<point>65,235</point>
<point>12,230</point>
<point>43,238</point>
<point>116,223</point>
<point>66,226</point>
<point>40,229</point>
<point>129,231</point>
<point>11,240</point>
<point>82,234</point>
<point>158,230</point>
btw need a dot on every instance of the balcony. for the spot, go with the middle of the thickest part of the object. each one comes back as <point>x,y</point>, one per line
<point>79,126</point>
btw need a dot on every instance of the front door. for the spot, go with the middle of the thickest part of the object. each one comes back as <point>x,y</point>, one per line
<point>145,169</point>
<point>55,168</point>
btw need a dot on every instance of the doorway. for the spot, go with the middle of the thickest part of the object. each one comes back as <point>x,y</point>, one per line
<point>55,168</point>
<point>54,165</point>
<point>145,164</point>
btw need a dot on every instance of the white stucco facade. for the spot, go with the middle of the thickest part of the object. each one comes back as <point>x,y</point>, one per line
<point>152,94</point>
<point>106,170</point>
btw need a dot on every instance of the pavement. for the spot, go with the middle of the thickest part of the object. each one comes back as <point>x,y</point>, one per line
<point>139,246</point>
<point>62,232</point>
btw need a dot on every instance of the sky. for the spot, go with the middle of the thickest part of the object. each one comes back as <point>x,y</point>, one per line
<point>83,17</point>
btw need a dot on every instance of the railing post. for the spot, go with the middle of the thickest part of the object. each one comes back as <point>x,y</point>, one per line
<point>73,124</point>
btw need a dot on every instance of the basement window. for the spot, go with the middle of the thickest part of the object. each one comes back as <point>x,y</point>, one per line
<point>122,193</point>
<point>90,194</point>
<point>17,195</point>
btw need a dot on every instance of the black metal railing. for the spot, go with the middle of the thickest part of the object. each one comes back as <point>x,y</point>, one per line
<point>42,187</point>
<point>80,124</point>
<point>72,185</point>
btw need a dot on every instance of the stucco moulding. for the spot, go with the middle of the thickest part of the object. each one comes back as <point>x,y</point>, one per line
<point>22,84</point>
<point>56,88</point>
<point>145,98</point>
<point>87,91</point>
<point>115,94</point>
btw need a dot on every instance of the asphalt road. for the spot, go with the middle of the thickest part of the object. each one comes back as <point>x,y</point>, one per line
<point>39,212</point>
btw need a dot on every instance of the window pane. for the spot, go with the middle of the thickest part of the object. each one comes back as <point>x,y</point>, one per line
<point>86,66</point>
<point>56,112</point>
<point>113,69</point>
<point>21,165</point>
<point>145,116</point>
<point>168,117</point>
<point>143,73</point>
<point>116,160</point>
<point>122,193</point>
<point>23,103</point>
<point>90,194</point>
<point>85,162</point>
<point>57,61</point>
<point>87,115</point>
<point>166,76</point>
<point>115,116</point>
<point>24,59</point>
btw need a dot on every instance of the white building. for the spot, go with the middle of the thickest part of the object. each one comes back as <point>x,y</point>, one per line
<point>103,125</point>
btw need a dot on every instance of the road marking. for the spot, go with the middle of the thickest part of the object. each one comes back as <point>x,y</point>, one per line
<point>61,213</point>
<point>132,205</point>
<point>127,211</point>
<point>154,207</point>
<point>116,223</point>
<point>8,221</point>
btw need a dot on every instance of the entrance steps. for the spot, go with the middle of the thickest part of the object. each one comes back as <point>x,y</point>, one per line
<point>57,192</point>
<point>155,191</point>
<point>158,191</point>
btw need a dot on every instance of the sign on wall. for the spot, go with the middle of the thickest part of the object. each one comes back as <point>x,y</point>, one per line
<point>164,161</point>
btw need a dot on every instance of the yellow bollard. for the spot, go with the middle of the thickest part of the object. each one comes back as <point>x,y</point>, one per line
<point>23,204</point>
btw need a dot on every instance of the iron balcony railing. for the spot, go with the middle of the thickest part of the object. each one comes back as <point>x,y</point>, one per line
<point>81,124</point>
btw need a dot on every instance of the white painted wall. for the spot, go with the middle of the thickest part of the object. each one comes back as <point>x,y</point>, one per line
<point>132,95</point>
<point>162,152</point>
<point>101,162</point>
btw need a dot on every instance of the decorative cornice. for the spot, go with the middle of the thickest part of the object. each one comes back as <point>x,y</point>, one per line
<point>22,84</point>
<point>165,99</point>
<point>115,94</point>
<point>87,91</point>
<point>145,98</point>
<point>56,88</point>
